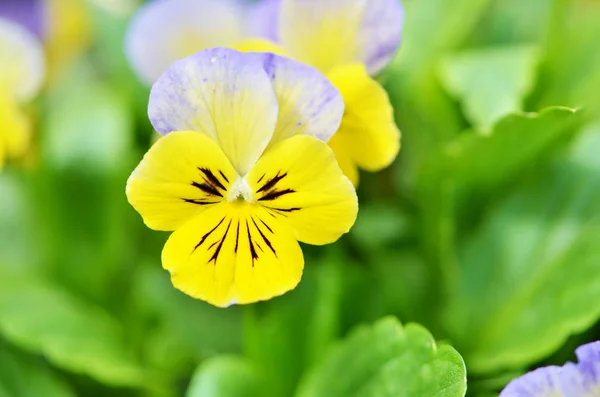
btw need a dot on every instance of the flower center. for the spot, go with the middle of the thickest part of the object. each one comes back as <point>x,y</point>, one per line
<point>240,191</point>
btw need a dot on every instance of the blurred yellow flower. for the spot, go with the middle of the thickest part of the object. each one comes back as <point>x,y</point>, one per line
<point>22,69</point>
<point>348,40</point>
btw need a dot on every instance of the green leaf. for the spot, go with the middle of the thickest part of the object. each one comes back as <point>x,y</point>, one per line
<point>387,359</point>
<point>43,319</point>
<point>24,377</point>
<point>431,30</point>
<point>226,376</point>
<point>530,276</point>
<point>490,82</point>
<point>476,161</point>
<point>286,335</point>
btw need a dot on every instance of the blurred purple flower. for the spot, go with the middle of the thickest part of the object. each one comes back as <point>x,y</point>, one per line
<point>579,379</point>
<point>28,13</point>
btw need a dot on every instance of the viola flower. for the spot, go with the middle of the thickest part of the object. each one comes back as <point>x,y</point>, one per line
<point>186,26</point>
<point>580,379</point>
<point>21,76</point>
<point>349,41</point>
<point>242,174</point>
<point>63,26</point>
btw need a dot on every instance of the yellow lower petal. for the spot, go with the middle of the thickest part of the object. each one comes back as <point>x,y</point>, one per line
<point>233,253</point>
<point>182,175</point>
<point>299,182</point>
<point>368,133</point>
<point>259,45</point>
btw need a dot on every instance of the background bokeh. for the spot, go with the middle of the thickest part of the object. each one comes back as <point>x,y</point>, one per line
<point>485,231</point>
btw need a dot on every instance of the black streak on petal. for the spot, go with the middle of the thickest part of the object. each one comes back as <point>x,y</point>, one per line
<point>208,234</point>
<point>212,179</point>
<point>224,177</point>
<point>199,201</point>
<point>207,188</point>
<point>272,182</point>
<point>237,237</point>
<point>267,226</point>
<point>272,195</point>
<point>252,249</point>
<point>218,250</point>
<point>265,238</point>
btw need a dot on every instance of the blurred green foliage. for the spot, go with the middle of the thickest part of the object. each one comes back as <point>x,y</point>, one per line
<point>486,231</point>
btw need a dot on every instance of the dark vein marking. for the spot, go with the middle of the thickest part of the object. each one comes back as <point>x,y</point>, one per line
<point>284,209</point>
<point>207,188</point>
<point>224,177</point>
<point>199,201</point>
<point>252,250</point>
<point>213,244</point>
<point>208,234</point>
<point>218,250</point>
<point>267,226</point>
<point>265,238</point>
<point>273,194</point>
<point>237,237</point>
<point>212,179</point>
<point>261,178</point>
<point>259,247</point>
<point>272,182</point>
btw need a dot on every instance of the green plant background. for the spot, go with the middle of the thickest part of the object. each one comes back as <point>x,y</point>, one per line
<point>483,236</point>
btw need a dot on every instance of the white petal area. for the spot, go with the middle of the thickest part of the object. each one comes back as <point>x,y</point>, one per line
<point>222,93</point>
<point>22,63</point>
<point>164,31</point>
<point>309,104</point>
<point>331,33</point>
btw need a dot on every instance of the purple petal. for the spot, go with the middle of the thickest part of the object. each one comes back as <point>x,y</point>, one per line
<point>222,93</point>
<point>541,382</point>
<point>308,102</point>
<point>382,33</point>
<point>164,31</point>
<point>576,381</point>
<point>589,352</point>
<point>263,20</point>
<point>332,33</point>
<point>27,13</point>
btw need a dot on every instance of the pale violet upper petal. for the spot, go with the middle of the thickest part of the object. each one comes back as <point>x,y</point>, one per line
<point>22,62</point>
<point>262,20</point>
<point>222,93</point>
<point>541,382</point>
<point>308,102</point>
<point>163,31</point>
<point>335,32</point>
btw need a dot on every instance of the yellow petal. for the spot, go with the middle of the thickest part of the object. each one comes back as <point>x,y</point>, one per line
<point>322,35</point>
<point>15,129</point>
<point>233,253</point>
<point>182,175</point>
<point>368,133</point>
<point>259,45</point>
<point>346,163</point>
<point>326,33</point>
<point>69,33</point>
<point>299,182</point>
